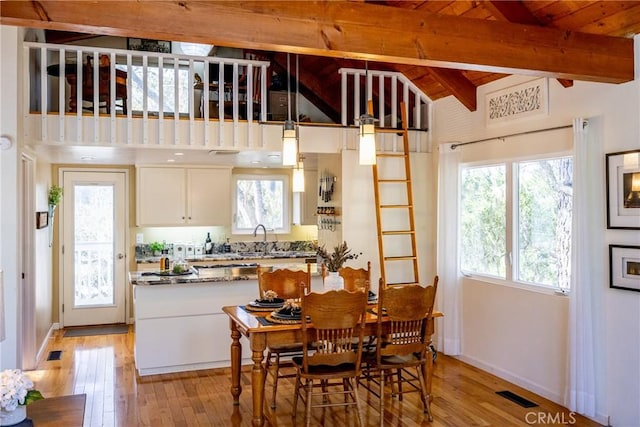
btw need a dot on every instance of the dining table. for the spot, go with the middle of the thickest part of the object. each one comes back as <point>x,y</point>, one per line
<point>261,332</point>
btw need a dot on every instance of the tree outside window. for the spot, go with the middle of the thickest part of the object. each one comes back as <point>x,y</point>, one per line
<point>540,252</point>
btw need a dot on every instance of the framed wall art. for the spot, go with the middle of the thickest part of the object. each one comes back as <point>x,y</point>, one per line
<point>149,45</point>
<point>624,267</point>
<point>623,190</point>
<point>523,101</point>
<point>42,219</point>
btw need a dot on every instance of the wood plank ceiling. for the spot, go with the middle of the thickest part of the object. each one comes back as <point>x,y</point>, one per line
<point>444,47</point>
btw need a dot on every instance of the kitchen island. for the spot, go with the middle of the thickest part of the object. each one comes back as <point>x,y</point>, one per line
<point>180,325</point>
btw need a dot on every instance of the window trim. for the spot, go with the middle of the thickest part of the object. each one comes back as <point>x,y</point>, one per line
<point>286,229</point>
<point>511,219</point>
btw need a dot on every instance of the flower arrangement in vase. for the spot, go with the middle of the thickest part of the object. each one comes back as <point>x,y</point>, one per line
<point>15,393</point>
<point>336,259</point>
<point>333,261</point>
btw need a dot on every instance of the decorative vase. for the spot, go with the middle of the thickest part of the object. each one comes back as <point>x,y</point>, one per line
<point>333,281</point>
<point>9,418</point>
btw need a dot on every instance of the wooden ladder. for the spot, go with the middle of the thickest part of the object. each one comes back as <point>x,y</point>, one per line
<point>408,254</point>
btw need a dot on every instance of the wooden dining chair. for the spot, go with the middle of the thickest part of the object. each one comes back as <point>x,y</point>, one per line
<point>104,84</point>
<point>286,283</point>
<point>330,322</point>
<point>404,339</point>
<point>354,278</point>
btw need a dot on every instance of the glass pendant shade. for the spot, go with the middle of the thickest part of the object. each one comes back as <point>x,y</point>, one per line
<point>298,178</point>
<point>289,144</point>
<point>367,140</point>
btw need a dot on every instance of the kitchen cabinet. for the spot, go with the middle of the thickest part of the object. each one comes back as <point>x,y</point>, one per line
<point>183,196</point>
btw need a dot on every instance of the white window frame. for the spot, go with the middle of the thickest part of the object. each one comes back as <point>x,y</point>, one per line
<point>286,209</point>
<point>511,218</point>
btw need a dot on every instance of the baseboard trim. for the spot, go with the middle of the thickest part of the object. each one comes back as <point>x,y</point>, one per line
<point>516,379</point>
<point>45,341</point>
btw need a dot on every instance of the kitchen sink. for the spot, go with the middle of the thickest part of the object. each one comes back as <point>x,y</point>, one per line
<point>237,269</point>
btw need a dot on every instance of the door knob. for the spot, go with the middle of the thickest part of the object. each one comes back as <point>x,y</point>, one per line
<point>120,256</point>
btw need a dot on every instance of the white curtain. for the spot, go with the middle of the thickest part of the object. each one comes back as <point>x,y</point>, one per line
<point>450,281</point>
<point>586,266</point>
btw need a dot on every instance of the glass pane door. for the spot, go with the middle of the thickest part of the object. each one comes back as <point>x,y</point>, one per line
<point>94,245</point>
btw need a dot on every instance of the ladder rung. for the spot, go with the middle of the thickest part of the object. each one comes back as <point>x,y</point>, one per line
<point>394,180</point>
<point>389,130</point>
<point>391,155</point>
<point>395,206</point>
<point>387,233</point>
<point>399,258</point>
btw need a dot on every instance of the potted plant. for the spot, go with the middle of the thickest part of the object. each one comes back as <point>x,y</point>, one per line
<point>156,248</point>
<point>15,393</point>
<point>55,196</point>
<point>333,261</point>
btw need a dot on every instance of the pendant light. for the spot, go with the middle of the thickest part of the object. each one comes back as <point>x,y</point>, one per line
<point>290,131</point>
<point>298,171</point>
<point>298,176</point>
<point>367,129</point>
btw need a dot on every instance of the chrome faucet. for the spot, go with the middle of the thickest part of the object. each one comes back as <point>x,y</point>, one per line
<point>264,241</point>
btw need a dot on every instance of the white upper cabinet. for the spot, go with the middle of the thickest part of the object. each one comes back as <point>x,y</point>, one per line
<point>183,196</point>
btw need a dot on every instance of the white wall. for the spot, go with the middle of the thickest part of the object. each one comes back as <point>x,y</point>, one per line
<point>359,215</point>
<point>520,334</point>
<point>9,160</point>
<point>43,266</point>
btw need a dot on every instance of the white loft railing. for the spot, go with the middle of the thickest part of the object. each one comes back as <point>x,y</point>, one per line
<point>130,85</point>
<point>390,89</point>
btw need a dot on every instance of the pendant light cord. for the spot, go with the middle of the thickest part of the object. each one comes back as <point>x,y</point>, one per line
<point>297,90</point>
<point>288,87</point>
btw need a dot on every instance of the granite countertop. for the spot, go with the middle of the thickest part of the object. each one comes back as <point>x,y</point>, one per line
<point>236,256</point>
<point>203,275</point>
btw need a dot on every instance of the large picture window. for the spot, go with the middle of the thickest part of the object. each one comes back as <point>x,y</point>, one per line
<point>261,199</point>
<point>515,221</point>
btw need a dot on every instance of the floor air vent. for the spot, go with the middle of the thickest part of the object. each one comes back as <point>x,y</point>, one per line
<point>517,399</point>
<point>55,355</point>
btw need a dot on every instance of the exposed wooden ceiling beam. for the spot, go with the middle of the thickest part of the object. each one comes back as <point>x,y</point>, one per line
<point>461,87</point>
<point>346,29</point>
<point>517,12</point>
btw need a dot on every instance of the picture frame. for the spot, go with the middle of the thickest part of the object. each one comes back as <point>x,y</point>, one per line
<point>623,190</point>
<point>624,267</point>
<point>42,219</point>
<point>149,45</point>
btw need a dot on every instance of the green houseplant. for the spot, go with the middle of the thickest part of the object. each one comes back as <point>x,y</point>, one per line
<point>156,247</point>
<point>55,195</point>
<point>54,198</point>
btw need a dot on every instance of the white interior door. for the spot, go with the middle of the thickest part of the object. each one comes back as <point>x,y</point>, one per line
<point>94,232</point>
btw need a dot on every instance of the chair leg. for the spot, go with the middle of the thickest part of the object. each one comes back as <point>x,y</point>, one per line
<point>382,375</point>
<point>276,368</point>
<point>295,397</point>
<point>423,393</point>
<point>309,390</point>
<point>400,384</point>
<point>354,391</point>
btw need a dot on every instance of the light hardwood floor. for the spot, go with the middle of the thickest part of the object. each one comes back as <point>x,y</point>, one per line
<point>103,368</point>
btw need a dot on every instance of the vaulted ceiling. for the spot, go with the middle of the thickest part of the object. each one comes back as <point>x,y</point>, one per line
<point>444,47</point>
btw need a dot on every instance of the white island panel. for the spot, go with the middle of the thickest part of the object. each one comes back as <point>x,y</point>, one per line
<point>181,327</point>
